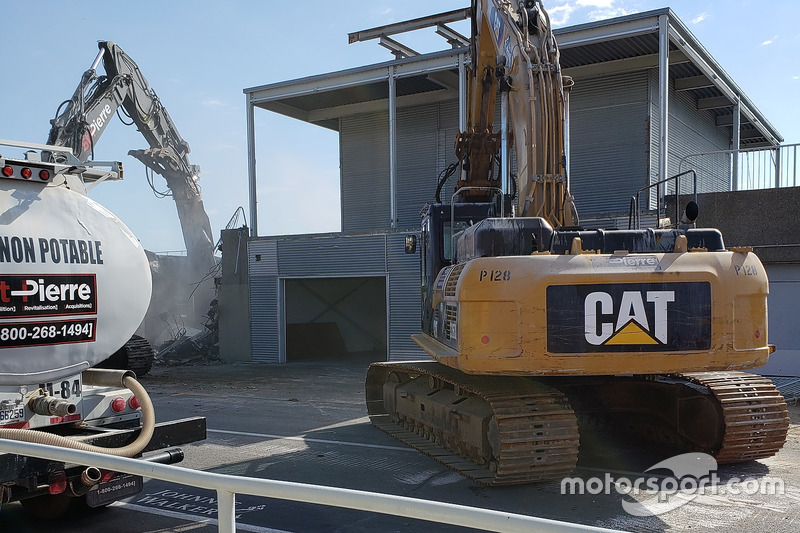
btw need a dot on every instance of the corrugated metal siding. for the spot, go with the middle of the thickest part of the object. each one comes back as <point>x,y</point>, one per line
<point>264,337</point>
<point>425,146</point>
<point>609,141</point>
<point>694,132</point>
<point>690,132</point>
<point>364,145</point>
<point>655,124</point>
<point>417,151</point>
<point>404,301</point>
<point>263,268</point>
<point>447,131</point>
<point>263,258</point>
<point>332,256</point>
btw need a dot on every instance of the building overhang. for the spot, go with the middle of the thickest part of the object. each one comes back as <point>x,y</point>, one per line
<point>601,48</point>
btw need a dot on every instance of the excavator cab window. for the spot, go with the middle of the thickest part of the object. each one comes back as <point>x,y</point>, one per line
<point>448,233</point>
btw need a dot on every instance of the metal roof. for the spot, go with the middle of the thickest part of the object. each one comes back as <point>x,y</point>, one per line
<point>609,46</point>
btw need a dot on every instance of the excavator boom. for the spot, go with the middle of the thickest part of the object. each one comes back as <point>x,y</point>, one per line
<point>516,56</point>
<point>81,120</point>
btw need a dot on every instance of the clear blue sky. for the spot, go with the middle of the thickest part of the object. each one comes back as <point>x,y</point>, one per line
<point>200,55</point>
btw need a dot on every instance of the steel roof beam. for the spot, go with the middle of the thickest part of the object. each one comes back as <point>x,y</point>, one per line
<point>715,102</point>
<point>430,97</point>
<point>703,61</point>
<point>409,25</point>
<point>398,49</point>
<point>592,34</point>
<point>727,120</point>
<point>693,82</point>
<point>425,64</point>
<point>454,38</point>
<point>624,65</point>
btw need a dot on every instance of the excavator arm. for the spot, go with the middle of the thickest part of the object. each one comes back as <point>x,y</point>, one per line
<point>81,120</point>
<point>515,54</point>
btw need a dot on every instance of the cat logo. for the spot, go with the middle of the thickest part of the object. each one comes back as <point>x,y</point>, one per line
<point>631,325</point>
<point>628,317</point>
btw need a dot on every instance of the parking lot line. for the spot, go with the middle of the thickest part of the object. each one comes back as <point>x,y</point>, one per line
<point>319,441</point>
<point>193,518</point>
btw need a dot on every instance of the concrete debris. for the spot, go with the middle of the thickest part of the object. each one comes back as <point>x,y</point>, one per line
<point>193,346</point>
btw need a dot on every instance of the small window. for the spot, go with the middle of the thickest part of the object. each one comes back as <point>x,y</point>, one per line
<point>448,243</point>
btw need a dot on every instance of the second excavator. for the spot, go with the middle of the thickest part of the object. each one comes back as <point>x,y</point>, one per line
<point>539,328</point>
<point>81,120</point>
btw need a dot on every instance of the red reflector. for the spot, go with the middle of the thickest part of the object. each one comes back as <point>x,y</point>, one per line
<point>134,402</point>
<point>117,405</point>
<point>106,475</point>
<point>485,339</point>
<point>44,175</point>
<point>7,171</point>
<point>57,482</point>
<point>26,173</point>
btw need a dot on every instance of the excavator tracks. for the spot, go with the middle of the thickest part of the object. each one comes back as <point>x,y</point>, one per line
<point>754,414</point>
<point>136,355</point>
<point>733,416</point>
<point>504,430</point>
<point>494,430</point>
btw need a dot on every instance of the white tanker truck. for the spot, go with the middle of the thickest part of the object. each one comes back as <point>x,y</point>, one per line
<point>74,286</point>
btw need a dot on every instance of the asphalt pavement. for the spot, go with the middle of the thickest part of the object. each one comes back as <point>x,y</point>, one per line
<point>306,422</point>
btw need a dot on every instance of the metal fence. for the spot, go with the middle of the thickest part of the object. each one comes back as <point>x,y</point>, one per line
<point>754,168</point>
<point>227,486</point>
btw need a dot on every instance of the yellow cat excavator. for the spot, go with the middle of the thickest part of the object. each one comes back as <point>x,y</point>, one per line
<point>539,328</point>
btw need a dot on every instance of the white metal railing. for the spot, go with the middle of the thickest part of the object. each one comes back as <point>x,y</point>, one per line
<point>227,486</point>
<point>740,170</point>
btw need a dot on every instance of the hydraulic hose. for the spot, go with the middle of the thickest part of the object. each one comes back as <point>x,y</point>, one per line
<point>105,378</point>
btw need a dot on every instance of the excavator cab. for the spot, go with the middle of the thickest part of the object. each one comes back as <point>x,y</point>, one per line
<point>441,227</point>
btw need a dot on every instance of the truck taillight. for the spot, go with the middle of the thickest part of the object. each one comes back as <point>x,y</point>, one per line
<point>118,405</point>
<point>26,173</point>
<point>106,475</point>
<point>44,175</point>
<point>134,402</point>
<point>57,482</point>
<point>7,171</point>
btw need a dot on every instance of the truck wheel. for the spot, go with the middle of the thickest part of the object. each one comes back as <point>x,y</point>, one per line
<point>137,355</point>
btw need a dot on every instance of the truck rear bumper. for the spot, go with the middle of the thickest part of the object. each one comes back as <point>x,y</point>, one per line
<point>15,468</point>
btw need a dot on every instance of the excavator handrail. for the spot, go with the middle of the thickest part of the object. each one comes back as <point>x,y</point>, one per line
<point>634,209</point>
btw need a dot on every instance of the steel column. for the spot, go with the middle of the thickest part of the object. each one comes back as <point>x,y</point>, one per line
<point>663,100</point>
<point>392,147</point>
<point>251,167</point>
<point>462,102</point>
<point>736,130</point>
